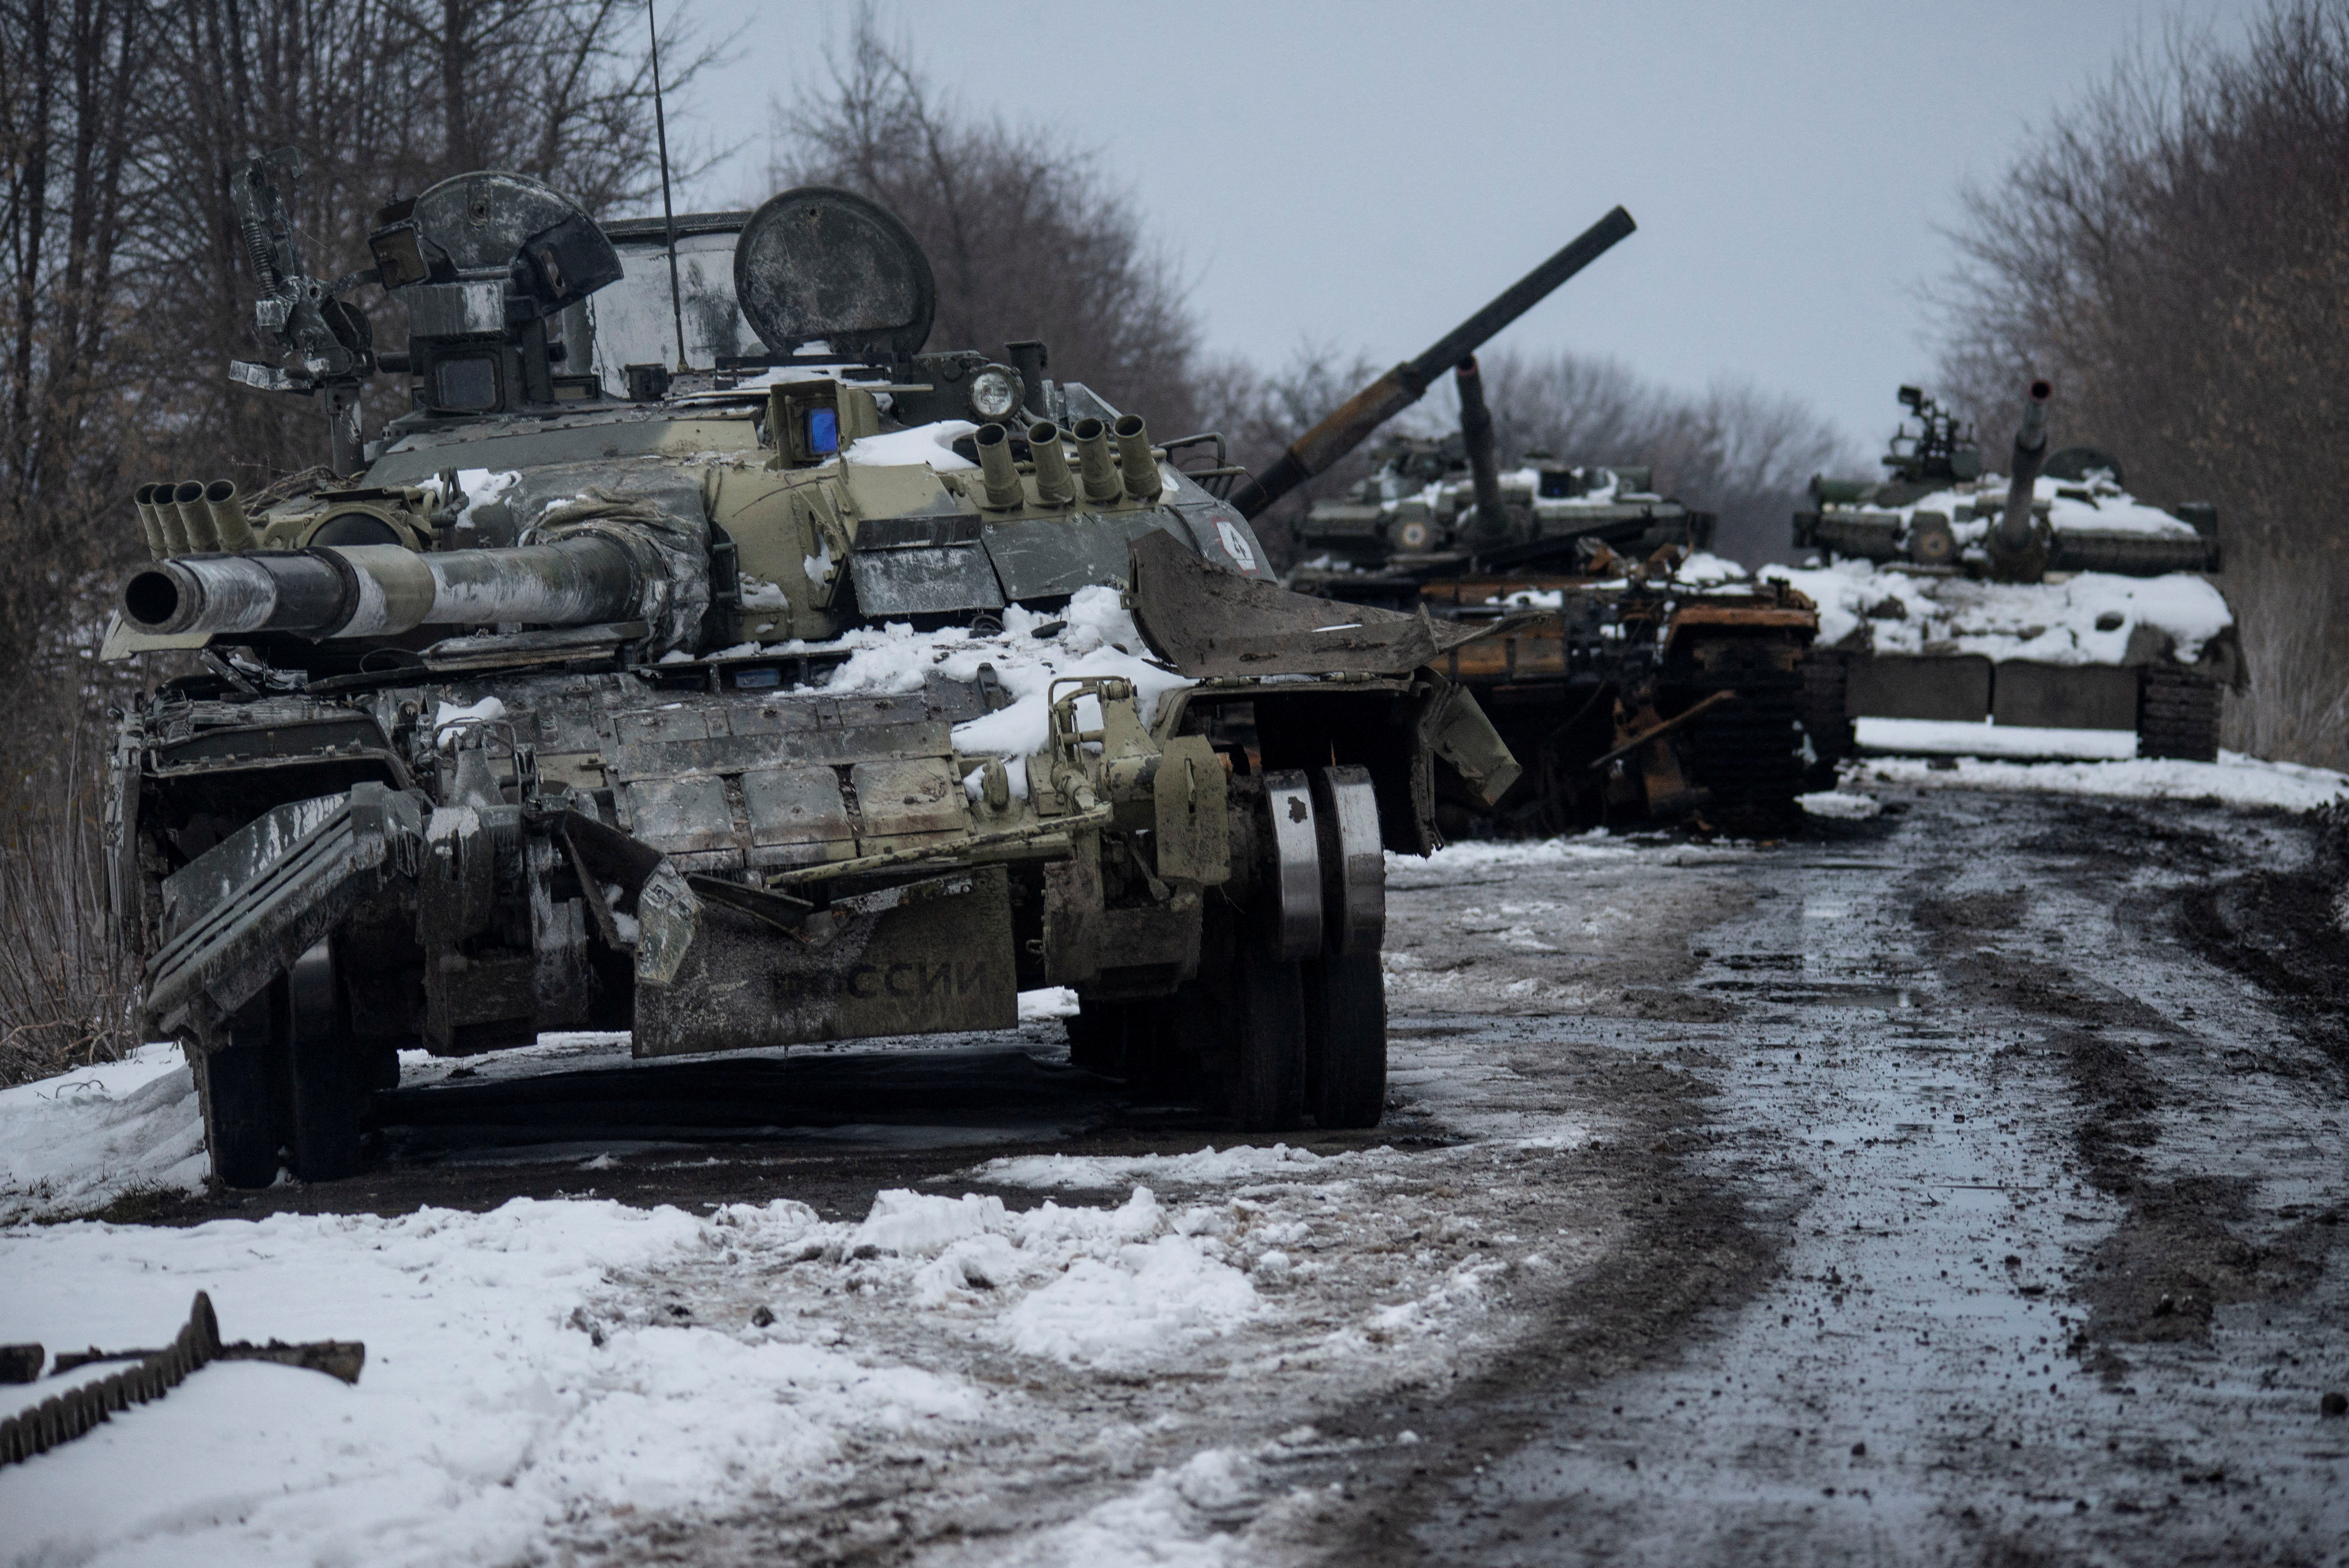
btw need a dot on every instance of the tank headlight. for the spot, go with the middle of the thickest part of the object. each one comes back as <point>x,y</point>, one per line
<point>994,393</point>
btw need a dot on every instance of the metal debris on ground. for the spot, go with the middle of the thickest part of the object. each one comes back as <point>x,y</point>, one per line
<point>64,1417</point>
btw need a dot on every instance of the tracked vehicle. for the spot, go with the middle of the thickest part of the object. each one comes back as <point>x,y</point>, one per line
<point>739,694</point>
<point>1637,677</point>
<point>2049,597</point>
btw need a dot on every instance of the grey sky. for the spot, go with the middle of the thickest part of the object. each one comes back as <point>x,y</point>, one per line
<point>1364,174</point>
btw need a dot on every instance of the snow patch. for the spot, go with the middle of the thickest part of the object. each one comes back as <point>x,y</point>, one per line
<point>451,718</point>
<point>480,487</point>
<point>1838,806</point>
<point>932,444</point>
<point>78,1142</point>
<point>1208,1165</point>
<point>1052,1001</point>
<point>1171,1521</point>
<point>1097,638</point>
<point>2234,779</point>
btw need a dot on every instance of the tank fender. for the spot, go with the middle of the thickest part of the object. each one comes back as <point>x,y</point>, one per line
<point>261,898</point>
<point>1456,729</point>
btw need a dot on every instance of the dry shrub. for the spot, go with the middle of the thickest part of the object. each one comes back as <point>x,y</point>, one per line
<point>68,984</point>
<point>2288,633</point>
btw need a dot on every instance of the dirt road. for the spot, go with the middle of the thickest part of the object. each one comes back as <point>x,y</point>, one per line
<point>1963,1184</point>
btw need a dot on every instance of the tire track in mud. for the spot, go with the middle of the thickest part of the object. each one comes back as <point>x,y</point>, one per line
<point>2120,1075</point>
<point>1683,1248</point>
<point>2178,1250</point>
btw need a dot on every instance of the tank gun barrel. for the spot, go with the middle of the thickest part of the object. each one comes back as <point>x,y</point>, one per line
<point>383,589</point>
<point>2015,537</point>
<point>1365,411</point>
<point>1477,434</point>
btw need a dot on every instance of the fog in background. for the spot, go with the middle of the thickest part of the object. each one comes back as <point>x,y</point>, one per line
<point>1359,178</point>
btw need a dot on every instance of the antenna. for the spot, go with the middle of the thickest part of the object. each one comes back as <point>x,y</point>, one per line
<point>668,213</point>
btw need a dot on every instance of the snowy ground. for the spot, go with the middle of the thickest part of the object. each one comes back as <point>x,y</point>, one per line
<point>75,1143</point>
<point>1153,1344</point>
<point>1085,1338</point>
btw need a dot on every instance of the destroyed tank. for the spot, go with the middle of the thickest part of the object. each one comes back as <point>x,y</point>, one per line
<point>2049,597</point>
<point>1631,672</point>
<point>718,664</point>
<point>1415,520</point>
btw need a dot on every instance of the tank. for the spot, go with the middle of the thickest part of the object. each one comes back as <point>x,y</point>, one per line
<point>703,656</point>
<point>1637,677</point>
<point>2049,596</point>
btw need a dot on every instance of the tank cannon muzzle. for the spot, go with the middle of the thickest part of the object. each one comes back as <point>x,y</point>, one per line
<point>2017,552</point>
<point>1365,411</point>
<point>383,589</point>
<point>1483,464</point>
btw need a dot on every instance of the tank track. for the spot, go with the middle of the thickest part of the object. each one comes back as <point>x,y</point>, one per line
<point>2177,714</point>
<point>1748,753</point>
<point>1826,680</point>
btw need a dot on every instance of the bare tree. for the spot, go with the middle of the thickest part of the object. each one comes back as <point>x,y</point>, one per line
<point>1027,237</point>
<point>2174,251</point>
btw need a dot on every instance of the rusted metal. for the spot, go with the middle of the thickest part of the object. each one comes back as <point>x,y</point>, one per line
<point>1666,727</point>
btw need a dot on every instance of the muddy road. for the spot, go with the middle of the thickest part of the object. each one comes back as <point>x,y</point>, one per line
<point>1963,1184</point>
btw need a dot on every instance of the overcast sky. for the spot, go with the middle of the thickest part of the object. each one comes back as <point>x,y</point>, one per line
<point>1367,173</point>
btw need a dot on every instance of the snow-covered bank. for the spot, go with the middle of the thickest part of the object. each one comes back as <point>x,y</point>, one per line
<point>1944,738</point>
<point>77,1141</point>
<point>1206,1166</point>
<point>2234,779</point>
<point>1476,859</point>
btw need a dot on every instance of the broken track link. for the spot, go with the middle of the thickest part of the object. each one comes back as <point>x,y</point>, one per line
<point>61,1418</point>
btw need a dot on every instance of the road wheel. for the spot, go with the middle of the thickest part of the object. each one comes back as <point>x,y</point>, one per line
<point>241,1091</point>
<point>1346,1039</point>
<point>1266,1030</point>
<point>2177,714</point>
<point>331,1071</point>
